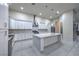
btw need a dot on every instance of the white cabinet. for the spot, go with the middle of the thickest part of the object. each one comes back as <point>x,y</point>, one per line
<point>28,25</point>
<point>3,17</point>
<point>22,25</point>
<point>3,24</point>
<point>3,42</point>
<point>3,30</point>
<point>12,24</point>
<point>17,24</point>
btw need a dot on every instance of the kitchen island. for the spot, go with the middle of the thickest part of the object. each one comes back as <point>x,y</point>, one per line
<point>40,41</point>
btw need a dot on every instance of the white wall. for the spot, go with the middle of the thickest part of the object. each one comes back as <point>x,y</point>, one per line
<point>67,19</point>
<point>43,23</point>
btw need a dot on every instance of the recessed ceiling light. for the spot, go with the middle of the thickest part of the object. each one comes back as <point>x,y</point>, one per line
<point>40,14</point>
<point>57,12</point>
<point>21,8</point>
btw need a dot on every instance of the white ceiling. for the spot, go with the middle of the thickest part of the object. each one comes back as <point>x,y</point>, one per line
<point>40,7</point>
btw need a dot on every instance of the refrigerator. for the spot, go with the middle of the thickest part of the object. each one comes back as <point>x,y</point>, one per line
<point>3,29</point>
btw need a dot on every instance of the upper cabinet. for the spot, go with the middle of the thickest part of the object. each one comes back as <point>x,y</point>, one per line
<point>20,24</point>
<point>24,24</point>
<point>3,17</point>
<point>25,21</point>
<point>28,25</point>
<point>12,24</point>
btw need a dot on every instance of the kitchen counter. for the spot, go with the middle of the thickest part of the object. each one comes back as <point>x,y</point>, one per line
<point>44,35</point>
<point>40,41</point>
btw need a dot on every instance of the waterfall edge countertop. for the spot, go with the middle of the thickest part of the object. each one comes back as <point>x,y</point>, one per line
<point>40,41</point>
<point>43,35</point>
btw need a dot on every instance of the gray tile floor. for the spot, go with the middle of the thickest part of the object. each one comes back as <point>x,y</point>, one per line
<point>25,48</point>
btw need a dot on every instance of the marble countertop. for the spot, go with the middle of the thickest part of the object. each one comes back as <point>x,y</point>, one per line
<point>46,35</point>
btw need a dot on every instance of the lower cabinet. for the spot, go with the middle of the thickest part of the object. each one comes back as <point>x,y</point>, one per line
<point>3,43</point>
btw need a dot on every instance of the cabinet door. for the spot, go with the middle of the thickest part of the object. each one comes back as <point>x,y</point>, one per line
<point>3,43</point>
<point>3,17</point>
<point>28,25</point>
<point>24,25</point>
<point>20,24</point>
<point>16,24</point>
<point>12,24</point>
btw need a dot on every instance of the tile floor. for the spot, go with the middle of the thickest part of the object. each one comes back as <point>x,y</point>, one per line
<point>25,48</point>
